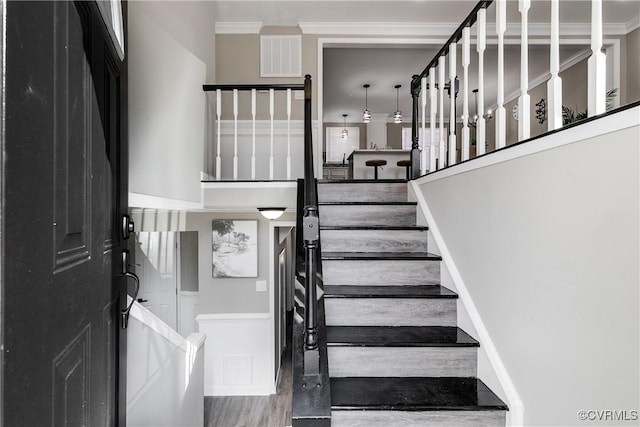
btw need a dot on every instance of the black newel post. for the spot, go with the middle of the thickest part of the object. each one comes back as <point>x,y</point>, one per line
<point>415,147</point>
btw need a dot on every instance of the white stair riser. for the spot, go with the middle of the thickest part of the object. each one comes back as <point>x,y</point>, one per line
<point>350,361</point>
<point>367,215</point>
<point>381,272</point>
<point>390,311</point>
<point>374,240</point>
<point>362,192</point>
<point>340,418</point>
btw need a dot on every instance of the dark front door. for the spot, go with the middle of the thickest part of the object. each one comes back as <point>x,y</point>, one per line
<point>63,194</point>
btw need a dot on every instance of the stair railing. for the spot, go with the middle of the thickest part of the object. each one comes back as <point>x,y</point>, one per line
<point>271,131</point>
<point>311,404</point>
<point>440,77</point>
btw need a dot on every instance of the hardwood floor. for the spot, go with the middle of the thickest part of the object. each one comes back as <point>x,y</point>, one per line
<point>253,411</point>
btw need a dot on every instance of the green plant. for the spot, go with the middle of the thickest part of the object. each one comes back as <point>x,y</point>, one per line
<point>570,116</point>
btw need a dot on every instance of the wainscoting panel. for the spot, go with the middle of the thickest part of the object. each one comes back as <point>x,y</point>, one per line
<point>238,354</point>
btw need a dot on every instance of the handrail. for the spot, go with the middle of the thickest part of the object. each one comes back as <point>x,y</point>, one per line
<point>210,88</point>
<point>415,86</point>
<point>311,235</point>
<point>272,134</point>
<point>311,403</point>
<point>455,145</point>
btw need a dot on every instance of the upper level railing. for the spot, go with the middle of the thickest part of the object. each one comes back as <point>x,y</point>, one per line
<point>256,141</point>
<point>436,89</point>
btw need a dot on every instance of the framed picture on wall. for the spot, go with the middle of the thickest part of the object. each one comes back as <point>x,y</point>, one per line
<point>234,244</point>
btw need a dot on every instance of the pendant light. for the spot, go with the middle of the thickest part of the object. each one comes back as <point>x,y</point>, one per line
<point>345,132</point>
<point>397,116</point>
<point>366,114</point>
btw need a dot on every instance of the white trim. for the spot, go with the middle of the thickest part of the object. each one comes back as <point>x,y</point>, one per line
<point>238,27</point>
<point>138,200</point>
<point>212,185</point>
<point>611,123</point>
<point>632,24</point>
<point>230,316</point>
<point>516,407</point>
<point>436,29</point>
<point>272,280</point>
<point>379,28</point>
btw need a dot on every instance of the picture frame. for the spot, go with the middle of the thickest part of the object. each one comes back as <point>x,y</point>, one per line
<point>234,247</point>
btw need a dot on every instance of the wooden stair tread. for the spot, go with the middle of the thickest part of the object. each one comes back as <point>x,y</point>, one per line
<point>406,291</point>
<point>375,227</point>
<point>413,394</point>
<point>361,181</point>
<point>368,203</point>
<point>399,336</point>
<point>380,256</point>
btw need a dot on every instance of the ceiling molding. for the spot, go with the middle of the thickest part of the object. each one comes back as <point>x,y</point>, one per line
<point>633,24</point>
<point>238,27</point>
<point>378,28</point>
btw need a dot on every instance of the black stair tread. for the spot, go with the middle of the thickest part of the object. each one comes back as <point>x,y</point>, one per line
<point>398,336</point>
<point>361,181</point>
<point>413,394</point>
<point>403,291</point>
<point>374,227</point>
<point>380,256</point>
<point>369,203</point>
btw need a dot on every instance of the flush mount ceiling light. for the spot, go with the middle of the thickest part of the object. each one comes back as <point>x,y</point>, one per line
<point>397,116</point>
<point>345,132</point>
<point>271,213</point>
<point>366,114</point>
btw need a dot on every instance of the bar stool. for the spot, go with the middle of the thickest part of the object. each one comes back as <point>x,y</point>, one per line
<point>406,164</point>
<point>375,164</point>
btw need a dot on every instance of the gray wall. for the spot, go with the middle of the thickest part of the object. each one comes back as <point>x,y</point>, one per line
<point>548,247</point>
<point>189,261</point>
<point>633,66</point>
<point>231,295</point>
<point>170,51</point>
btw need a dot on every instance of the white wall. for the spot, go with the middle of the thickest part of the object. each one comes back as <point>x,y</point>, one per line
<point>170,54</point>
<point>547,245</point>
<point>165,374</point>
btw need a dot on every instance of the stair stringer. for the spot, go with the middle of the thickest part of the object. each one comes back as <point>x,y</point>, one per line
<point>491,369</point>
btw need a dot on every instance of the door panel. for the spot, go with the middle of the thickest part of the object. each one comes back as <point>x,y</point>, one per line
<point>64,144</point>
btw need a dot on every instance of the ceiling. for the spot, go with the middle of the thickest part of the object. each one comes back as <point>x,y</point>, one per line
<point>347,68</point>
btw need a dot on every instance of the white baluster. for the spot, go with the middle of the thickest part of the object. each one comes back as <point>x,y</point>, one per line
<point>271,113</point>
<point>501,114</point>
<point>452,104</point>
<point>466,60</point>
<point>218,115</point>
<point>253,134</point>
<point>597,65</point>
<point>481,45</point>
<point>288,134</point>
<point>235,134</point>
<point>442,156</point>
<point>423,147</point>
<point>524,101</point>
<point>554,85</point>
<point>433,108</point>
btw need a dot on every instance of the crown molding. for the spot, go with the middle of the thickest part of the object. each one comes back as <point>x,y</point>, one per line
<point>378,28</point>
<point>238,27</point>
<point>425,29</point>
<point>633,24</point>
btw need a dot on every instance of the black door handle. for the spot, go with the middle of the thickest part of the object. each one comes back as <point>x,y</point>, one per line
<point>140,300</point>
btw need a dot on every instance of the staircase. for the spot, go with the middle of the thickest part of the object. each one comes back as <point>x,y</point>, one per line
<point>396,356</point>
